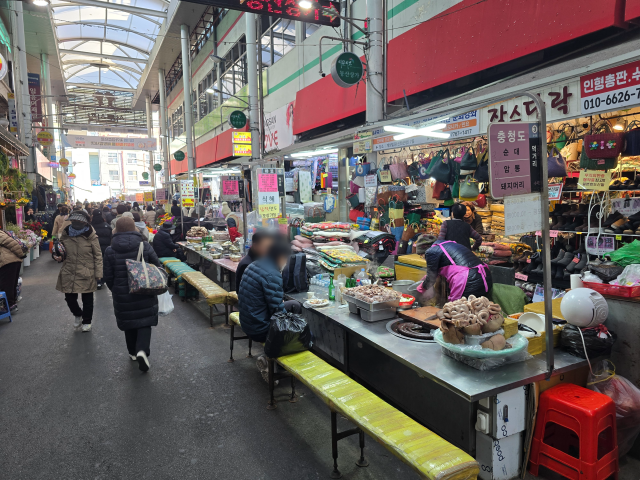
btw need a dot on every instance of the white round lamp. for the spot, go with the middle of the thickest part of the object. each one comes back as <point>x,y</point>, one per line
<point>584,307</point>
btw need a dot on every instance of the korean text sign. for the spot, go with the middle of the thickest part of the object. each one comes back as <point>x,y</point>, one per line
<point>611,88</point>
<point>594,180</point>
<point>229,187</point>
<point>187,193</point>
<point>514,158</point>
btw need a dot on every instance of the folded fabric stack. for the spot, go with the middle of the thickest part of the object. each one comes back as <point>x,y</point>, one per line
<point>485,216</point>
<point>497,217</point>
<point>336,257</point>
<point>495,253</point>
<point>299,243</point>
<point>326,232</point>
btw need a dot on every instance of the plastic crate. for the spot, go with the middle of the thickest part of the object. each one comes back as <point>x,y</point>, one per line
<point>614,290</point>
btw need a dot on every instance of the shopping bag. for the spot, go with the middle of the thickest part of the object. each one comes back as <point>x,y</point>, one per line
<point>398,169</point>
<point>145,279</point>
<point>396,208</point>
<point>288,333</point>
<point>165,304</point>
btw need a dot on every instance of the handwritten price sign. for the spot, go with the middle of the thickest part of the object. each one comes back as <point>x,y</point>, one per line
<point>268,182</point>
<point>269,210</point>
<point>230,188</point>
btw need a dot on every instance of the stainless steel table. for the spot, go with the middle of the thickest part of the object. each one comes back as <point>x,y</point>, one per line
<point>417,377</point>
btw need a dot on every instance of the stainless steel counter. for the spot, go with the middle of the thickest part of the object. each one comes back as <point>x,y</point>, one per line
<point>427,359</point>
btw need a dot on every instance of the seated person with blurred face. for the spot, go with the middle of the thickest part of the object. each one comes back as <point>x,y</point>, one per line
<point>261,241</point>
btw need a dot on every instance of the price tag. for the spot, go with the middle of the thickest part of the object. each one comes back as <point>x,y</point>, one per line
<point>575,260</point>
<point>528,260</point>
<point>538,233</point>
<point>269,210</point>
<point>282,221</point>
<point>370,181</point>
<point>553,233</point>
<point>618,237</point>
<point>578,233</point>
<point>521,276</point>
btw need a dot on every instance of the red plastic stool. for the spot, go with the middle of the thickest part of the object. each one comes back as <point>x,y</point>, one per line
<point>575,434</point>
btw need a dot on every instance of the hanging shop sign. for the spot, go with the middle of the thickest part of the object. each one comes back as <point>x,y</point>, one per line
<point>594,180</point>
<point>187,193</point>
<point>161,194</point>
<point>3,67</point>
<point>139,197</point>
<point>363,146</point>
<point>144,183</point>
<point>71,176</point>
<point>322,12</point>
<point>347,69</point>
<point>237,119</point>
<point>44,138</point>
<point>270,189</point>
<point>609,89</point>
<point>555,191</point>
<point>35,97</point>
<point>157,167</point>
<point>13,114</point>
<point>109,143</point>
<point>148,196</point>
<point>270,210</point>
<point>241,137</point>
<point>231,188</point>
<point>522,214</point>
<point>241,150</point>
<point>54,165</point>
<point>64,162</point>
<point>514,159</point>
<point>278,128</point>
<point>179,155</point>
<point>145,175</point>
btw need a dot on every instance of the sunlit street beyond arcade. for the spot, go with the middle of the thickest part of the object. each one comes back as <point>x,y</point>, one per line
<point>309,239</point>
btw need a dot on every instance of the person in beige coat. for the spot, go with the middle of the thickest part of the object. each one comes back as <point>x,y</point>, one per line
<point>61,222</point>
<point>11,255</point>
<point>150,217</point>
<point>81,268</point>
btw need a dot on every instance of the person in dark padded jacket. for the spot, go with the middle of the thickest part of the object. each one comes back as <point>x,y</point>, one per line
<point>458,230</point>
<point>261,294</point>
<point>135,314</point>
<point>464,272</point>
<point>260,243</point>
<point>103,230</point>
<point>164,245</point>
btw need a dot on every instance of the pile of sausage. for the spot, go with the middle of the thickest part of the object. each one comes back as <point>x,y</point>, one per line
<point>472,316</point>
<point>373,294</point>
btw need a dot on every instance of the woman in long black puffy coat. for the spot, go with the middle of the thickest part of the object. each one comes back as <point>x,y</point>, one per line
<point>135,314</point>
<point>103,230</point>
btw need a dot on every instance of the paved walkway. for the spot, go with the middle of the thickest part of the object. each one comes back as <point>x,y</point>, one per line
<point>74,406</point>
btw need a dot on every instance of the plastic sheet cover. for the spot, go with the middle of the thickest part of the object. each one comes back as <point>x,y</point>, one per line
<point>431,456</point>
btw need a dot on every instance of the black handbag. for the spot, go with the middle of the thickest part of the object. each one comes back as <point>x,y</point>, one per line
<point>482,172</point>
<point>632,138</point>
<point>445,194</point>
<point>441,170</point>
<point>469,162</point>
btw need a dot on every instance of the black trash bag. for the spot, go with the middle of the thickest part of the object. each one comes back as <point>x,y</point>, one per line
<point>571,342</point>
<point>288,333</point>
<point>606,272</point>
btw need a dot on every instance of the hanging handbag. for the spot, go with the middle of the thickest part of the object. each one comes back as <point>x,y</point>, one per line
<point>386,192</point>
<point>469,162</point>
<point>437,190</point>
<point>354,213</point>
<point>469,189</point>
<point>441,171</point>
<point>596,163</point>
<point>458,157</point>
<point>632,138</point>
<point>445,194</point>
<point>556,165</point>
<point>425,192</point>
<point>604,145</point>
<point>571,151</point>
<point>455,188</point>
<point>481,201</point>
<point>561,141</point>
<point>398,169</point>
<point>145,279</point>
<point>413,170</point>
<point>353,187</point>
<point>363,168</point>
<point>353,200</point>
<point>482,172</point>
<point>396,209</point>
<point>384,175</point>
<point>433,162</point>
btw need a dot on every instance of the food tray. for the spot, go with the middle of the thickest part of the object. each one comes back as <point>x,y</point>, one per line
<point>372,316</point>
<point>372,307</point>
<point>614,290</point>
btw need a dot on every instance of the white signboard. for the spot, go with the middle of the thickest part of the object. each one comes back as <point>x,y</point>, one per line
<point>370,181</point>
<point>610,89</point>
<point>626,206</point>
<point>522,214</point>
<point>278,128</point>
<point>109,143</point>
<point>600,245</point>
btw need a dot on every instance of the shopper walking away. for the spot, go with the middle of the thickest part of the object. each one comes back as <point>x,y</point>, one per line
<point>176,211</point>
<point>61,222</point>
<point>136,207</point>
<point>120,209</point>
<point>141,226</point>
<point>261,241</point>
<point>81,268</point>
<point>103,231</point>
<point>459,231</point>
<point>11,255</point>
<point>150,217</point>
<point>163,243</point>
<point>135,314</point>
<point>106,213</point>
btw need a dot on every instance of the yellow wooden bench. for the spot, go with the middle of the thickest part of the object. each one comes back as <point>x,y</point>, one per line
<point>234,319</point>
<point>212,293</point>
<point>428,454</point>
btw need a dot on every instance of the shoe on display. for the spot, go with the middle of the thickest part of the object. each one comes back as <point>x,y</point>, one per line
<point>614,217</point>
<point>143,361</point>
<point>572,265</point>
<point>635,217</point>
<point>572,212</point>
<point>77,321</point>
<point>86,327</point>
<point>581,264</point>
<point>559,224</point>
<point>568,258</point>
<point>559,257</point>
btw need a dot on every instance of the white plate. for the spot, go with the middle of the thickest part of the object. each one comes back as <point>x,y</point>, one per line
<point>322,303</point>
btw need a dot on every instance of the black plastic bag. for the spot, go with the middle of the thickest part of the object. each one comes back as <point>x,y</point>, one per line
<point>571,342</point>
<point>606,272</point>
<point>288,333</point>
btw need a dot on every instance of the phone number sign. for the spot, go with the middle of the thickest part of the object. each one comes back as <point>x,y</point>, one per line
<point>610,89</point>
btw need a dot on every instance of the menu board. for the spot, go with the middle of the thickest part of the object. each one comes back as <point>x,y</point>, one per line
<point>231,188</point>
<point>187,193</point>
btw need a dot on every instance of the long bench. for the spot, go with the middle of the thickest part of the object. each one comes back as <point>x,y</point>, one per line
<point>234,320</point>
<point>212,293</point>
<point>428,454</point>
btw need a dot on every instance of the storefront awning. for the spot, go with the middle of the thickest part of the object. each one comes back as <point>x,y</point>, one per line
<point>12,144</point>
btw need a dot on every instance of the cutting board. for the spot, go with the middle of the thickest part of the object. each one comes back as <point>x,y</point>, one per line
<point>421,315</point>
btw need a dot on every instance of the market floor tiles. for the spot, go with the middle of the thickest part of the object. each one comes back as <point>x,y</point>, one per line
<point>74,406</point>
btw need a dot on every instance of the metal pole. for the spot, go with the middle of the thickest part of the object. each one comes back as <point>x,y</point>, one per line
<point>252,68</point>
<point>23,81</point>
<point>218,72</point>
<point>152,173</point>
<point>375,84</point>
<point>163,131</point>
<point>46,77</point>
<point>186,82</point>
<point>260,91</point>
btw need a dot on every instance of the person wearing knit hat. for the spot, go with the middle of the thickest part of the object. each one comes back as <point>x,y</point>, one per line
<point>135,313</point>
<point>225,209</point>
<point>424,242</point>
<point>164,245</point>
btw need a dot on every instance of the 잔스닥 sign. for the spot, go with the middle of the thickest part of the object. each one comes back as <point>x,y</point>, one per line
<point>347,69</point>
<point>594,180</point>
<point>522,214</point>
<point>514,154</point>
<point>611,88</point>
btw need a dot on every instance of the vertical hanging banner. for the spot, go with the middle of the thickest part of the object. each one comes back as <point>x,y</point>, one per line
<point>270,189</point>
<point>148,196</point>
<point>514,158</point>
<point>231,188</point>
<point>35,95</point>
<point>278,128</point>
<point>187,193</point>
<point>13,115</point>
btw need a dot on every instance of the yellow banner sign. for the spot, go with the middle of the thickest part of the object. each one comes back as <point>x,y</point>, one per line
<point>270,210</point>
<point>44,138</point>
<point>241,137</point>
<point>241,149</point>
<point>148,196</point>
<point>594,180</point>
